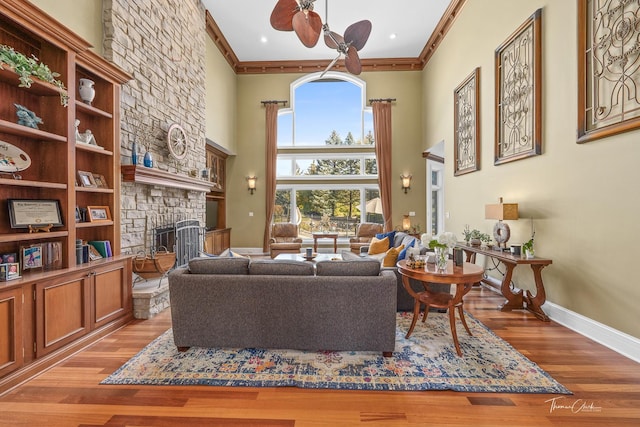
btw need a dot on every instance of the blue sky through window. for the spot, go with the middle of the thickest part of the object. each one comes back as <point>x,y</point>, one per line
<point>324,106</point>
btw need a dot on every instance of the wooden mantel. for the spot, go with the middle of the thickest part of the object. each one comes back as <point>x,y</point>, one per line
<point>151,176</point>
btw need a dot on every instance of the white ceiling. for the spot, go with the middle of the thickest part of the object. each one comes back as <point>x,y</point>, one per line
<point>245,22</point>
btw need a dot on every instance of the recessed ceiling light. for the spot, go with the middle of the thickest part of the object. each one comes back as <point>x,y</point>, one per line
<point>393,36</point>
<point>263,39</point>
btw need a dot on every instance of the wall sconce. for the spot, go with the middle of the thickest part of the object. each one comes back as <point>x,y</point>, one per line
<point>251,182</point>
<point>406,182</point>
<point>406,223</point>
<point>501,211</point>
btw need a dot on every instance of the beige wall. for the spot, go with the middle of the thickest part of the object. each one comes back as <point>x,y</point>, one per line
<point>583,198</point>
<point>404,86</point>
<point>221,96</point>
<point>83,17</point>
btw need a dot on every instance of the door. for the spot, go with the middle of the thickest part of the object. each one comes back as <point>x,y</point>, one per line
<point>435,197</point>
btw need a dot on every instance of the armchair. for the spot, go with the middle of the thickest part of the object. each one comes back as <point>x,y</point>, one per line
<point>284,239</point>
<point>365,232</point>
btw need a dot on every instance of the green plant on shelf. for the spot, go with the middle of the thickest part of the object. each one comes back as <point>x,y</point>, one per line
<point>475,234</point>
<point>26,68</point>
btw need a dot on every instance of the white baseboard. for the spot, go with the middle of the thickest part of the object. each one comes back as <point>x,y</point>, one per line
<point>617,341</point>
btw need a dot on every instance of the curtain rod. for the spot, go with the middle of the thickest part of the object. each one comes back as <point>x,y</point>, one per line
<point>284,103</point>
<point>371,101</point>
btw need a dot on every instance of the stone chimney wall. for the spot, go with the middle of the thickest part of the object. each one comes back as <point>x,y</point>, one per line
<point>162,44</point>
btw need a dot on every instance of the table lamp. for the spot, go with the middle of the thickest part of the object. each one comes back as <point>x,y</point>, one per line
<point>501,211</point>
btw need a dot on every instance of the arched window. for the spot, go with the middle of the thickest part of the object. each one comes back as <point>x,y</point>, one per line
<point>327,177</point>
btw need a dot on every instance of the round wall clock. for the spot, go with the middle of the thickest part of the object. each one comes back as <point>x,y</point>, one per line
<point>177,141</point>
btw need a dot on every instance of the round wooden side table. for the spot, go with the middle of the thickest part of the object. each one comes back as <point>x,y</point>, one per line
<point>463,277</point>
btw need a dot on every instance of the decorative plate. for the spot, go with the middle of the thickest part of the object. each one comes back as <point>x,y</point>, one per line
<point>13,159</point>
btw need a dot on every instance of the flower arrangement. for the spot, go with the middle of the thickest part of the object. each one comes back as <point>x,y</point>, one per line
<point>27,68</point>
<point>444,240</point>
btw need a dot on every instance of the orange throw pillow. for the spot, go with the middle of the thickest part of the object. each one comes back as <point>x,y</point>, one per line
<point>378,246</point>
<point>392,256</point>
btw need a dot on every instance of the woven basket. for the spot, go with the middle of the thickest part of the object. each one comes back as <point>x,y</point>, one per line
<point>148,267</point>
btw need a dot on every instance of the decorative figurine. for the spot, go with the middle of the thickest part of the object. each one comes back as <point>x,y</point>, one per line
<point>27,117</point>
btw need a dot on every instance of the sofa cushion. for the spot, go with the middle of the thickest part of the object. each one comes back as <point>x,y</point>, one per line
<point>391,256</point>
<point>219,265</point>
<point>361,267</point>
<point>279,267</point>
<point>403,253</point>
<point>378,246</point>
<point>390,234</point>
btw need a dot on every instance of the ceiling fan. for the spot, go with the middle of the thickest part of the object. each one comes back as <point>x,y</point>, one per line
<point>355,37</point>
<point>298,16</point>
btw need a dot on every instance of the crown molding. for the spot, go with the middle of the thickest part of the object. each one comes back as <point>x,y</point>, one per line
<point>307,66</point>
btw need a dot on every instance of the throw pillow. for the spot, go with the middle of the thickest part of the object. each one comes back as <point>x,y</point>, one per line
<point>403,253</point>
<point>378,246</point>
<point>230,254</point>
<point>392,256</point>
<point>390,234</point>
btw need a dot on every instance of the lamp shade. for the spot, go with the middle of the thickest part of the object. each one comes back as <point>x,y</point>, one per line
<point>501,211</point>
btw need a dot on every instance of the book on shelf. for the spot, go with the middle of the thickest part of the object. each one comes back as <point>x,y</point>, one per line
<point>103,247</point>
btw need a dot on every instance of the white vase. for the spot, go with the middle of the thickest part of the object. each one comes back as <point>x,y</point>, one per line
<point>86,90</point>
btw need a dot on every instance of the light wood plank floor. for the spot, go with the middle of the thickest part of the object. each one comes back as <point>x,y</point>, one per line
<point>606,389</point>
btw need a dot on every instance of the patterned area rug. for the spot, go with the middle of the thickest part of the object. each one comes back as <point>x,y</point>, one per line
<point>425,361</point>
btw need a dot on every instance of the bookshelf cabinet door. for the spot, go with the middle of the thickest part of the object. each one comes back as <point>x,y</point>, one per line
<point>111,293</point>
<point>62,311</point>
<point>10,331</point>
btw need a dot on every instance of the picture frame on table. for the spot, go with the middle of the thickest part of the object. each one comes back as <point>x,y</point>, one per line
<point>98,213</point>
<point>100,180</point>
<point>86,179</point>
<point>31,257</point>
<point>25,213</point>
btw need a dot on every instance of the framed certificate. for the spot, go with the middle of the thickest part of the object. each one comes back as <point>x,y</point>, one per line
<point>24,213</point>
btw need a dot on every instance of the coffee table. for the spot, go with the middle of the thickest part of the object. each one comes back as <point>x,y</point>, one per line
<point>463,277</point>
<point>325,235</point>
<point>300,257</point>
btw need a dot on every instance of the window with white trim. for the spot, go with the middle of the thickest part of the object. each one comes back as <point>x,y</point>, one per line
<point>327,175</point>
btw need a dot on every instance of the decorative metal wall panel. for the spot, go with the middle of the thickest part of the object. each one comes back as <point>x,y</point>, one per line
<point>518,93</point>
<point>467,125</point>
<point>609,76</point>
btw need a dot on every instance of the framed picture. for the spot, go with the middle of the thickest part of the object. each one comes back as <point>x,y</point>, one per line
<point>466,149</point>
<point>24,213</point>
<point>100,180</point>
<point>608,78</point>
<point>518,113</point>
<point>98,213</point>
<point>31,257</point>
<point>79,215</point>
<point>94,254</point>
<point>86,179</point>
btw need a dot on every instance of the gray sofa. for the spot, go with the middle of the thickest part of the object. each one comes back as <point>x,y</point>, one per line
<point>238,303</point>
<point>404,300</point>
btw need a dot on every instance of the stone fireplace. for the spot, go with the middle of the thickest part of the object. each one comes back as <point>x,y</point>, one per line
<point>163,48</point>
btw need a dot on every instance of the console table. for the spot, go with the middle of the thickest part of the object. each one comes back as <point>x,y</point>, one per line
<point>516,298</point>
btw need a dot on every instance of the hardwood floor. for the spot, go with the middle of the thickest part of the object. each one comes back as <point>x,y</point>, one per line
<point>606,389</point>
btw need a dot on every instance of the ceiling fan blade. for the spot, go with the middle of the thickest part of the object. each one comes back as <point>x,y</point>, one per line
<point>352,61</point>
<point>332,39</point>
<point>282,15</point>
<point>308,27</point>
<point>331,64</point>
<point>357,34</point>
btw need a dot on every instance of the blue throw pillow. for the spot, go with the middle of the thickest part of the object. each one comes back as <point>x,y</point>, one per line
<point>403,253</point>
<point>391,235</point>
